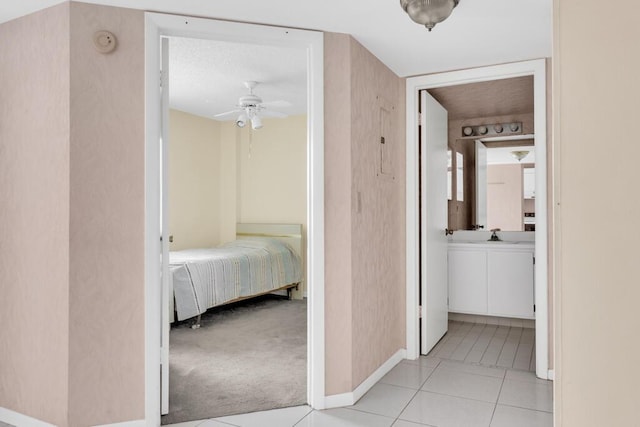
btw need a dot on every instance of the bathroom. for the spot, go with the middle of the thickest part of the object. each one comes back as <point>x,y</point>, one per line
<point>491,229</point>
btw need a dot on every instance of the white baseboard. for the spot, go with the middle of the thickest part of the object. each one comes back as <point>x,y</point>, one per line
<point>19,420</point>
<point>137,423</point>
<point>348,399</point>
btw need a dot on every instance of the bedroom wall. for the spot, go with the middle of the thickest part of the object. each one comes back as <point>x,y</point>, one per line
<point>272,173</point>
<point>194,181</point>
<point>364,208</point>
<point>106,242</point>
<point>596,94</point>
<point>34,213</point>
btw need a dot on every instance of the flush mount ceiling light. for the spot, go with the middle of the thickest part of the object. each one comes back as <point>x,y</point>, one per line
<point>519,155</point>
<point>428,12</point>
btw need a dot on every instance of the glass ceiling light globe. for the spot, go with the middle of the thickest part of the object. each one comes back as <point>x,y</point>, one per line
<point>519,155</point>
<point>428,12</point>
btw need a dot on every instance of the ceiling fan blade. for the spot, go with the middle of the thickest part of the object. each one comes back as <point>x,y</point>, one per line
<point>275,114</point>
<point>228,115</point>
<point>277,104</point>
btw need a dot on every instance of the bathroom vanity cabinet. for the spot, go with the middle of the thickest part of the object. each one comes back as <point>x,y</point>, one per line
<point>492,278</point>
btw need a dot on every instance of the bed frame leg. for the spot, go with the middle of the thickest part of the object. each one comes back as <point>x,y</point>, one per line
<point>197,324</point>
<point>289,293</point>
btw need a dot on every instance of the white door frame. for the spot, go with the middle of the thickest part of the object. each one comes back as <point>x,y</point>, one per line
<point>537,69</point>
<point>162,25</point>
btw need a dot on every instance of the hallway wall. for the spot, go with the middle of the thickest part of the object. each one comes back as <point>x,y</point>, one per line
<point>364,205</point>
<point>596,94</point>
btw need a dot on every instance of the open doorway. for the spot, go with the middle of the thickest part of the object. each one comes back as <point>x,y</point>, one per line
<point>236,218</point>
<point>535,69</point>
<point>310,243</point>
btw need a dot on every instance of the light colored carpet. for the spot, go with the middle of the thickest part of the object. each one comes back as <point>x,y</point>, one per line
<point>247,357</point>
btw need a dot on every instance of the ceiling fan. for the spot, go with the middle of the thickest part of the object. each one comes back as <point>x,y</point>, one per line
<point>251,108</point>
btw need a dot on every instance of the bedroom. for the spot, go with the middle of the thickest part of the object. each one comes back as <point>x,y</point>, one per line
<point>222,177</point>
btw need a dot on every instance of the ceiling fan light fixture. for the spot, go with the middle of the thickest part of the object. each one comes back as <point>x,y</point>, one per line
<point>428,12</point>
<point>241,121</point>
<point>256,122</point>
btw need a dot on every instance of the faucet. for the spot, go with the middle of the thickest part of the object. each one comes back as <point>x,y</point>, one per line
<point>494,235</point>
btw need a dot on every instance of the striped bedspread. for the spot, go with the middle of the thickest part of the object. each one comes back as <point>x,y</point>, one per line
<point>205,278</point>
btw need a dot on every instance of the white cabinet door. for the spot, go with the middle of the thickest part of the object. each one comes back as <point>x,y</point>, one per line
<point>468,281</point>
<point>510,283</point>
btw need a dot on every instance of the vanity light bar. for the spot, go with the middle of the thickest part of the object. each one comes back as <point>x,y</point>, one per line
<point>495,129</point>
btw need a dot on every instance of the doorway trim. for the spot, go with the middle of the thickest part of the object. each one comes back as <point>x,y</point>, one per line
<point>163,25</point>
<point>537,69</point>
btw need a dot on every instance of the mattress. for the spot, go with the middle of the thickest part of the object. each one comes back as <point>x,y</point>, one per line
<point>205,278</point>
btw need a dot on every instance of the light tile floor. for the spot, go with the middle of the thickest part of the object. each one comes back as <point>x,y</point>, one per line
<point>426,392</point>
<point>490,345</point>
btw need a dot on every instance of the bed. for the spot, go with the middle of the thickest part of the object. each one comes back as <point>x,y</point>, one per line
<point>264,258</point>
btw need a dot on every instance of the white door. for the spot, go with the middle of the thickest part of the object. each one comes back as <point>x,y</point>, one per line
<point>433,220</point>
<point>481,185</point>
<point>164,224</point>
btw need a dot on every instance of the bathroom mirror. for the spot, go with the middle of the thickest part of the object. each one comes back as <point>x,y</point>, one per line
<point>505,187</point>
<point>495,188</point>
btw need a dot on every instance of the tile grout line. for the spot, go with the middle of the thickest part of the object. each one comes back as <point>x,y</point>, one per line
<point>463,339</point>
<point>416,393</point>
<point>476,340</point>
<point>301,419</point>
<point>498,399</point>
<point>488,344</point>
<point>504,342</point>
<point>513,360</point>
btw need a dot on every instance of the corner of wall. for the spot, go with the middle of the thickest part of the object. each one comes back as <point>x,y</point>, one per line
<point>338,247</point>
<point>107,187</point>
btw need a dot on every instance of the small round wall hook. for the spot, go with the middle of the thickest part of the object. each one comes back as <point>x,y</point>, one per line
<point>104,41</point>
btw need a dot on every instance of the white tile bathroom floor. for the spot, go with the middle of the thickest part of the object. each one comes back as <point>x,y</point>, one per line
<point>426,392</point>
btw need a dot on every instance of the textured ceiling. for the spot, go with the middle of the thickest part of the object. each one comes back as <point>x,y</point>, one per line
<point>486,99</point>
<point>479,32</point>
<point>206,77</point>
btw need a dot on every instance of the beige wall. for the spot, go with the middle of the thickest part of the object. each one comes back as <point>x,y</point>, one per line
<point>194,181</point>
<point>337,216</point>
<point>272,174</point>
<point>596,94</point>
<point>106,242</point>
<point>34,213</point>
<point>505,202</point>
<point>72,138</point>
<point>228,164</point>
<point>273,171</point>
<point>365,245</point>
<point>378,214</point>
<point>221,174</point>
